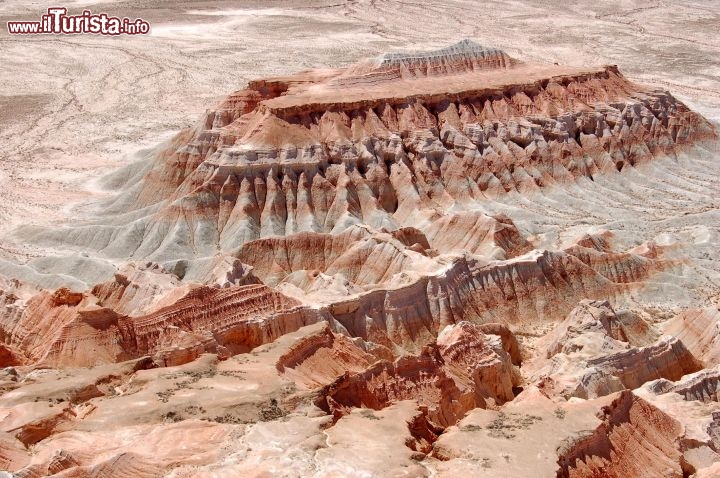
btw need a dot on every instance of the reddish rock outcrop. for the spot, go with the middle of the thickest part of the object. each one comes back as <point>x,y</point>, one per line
<point>668,358</point>
<point>9,357</point>
<point>239,318</point>
<point>67,329</point>
<point>596,351</point>
<point>465,351</point>
<point>177,347</point>
<point>698,330</point>
<point>387,144</point>
<point>318,360</point>
<point>534,288</point>
<point>369,204</point>
<point>65,334</point>
<point>465,369</point>
<point>412,301</point>
<point>358,254</point>
<point>598,321</point>
<point>634,439</point>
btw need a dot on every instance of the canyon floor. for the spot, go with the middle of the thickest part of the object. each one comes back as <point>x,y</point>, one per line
<point>255,243</point>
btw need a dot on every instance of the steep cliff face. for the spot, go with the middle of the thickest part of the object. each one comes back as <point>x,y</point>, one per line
<point>361,256</point>
<point>698,330</point>
<point>596,351</point>
<point>668,358</point>
<point>390,288</point>
<point>385,288</point>
<point>405,262</point>
<point>320,152</point>
<point>538,287</point>
<point>702,386</point>
<point>397,165</point>
<point>634,439</point>
<point>463,370</point>
<point>240,318</point>
<point>69,329</point>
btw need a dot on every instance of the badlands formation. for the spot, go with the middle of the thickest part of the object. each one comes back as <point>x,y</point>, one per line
<point>421,264</point>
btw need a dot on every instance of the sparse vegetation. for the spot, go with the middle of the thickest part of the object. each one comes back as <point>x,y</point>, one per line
<point>505,424</point>
<point>369,414</point>
<point>165,395</point>
<point>470,428</point>
<point>194,410</point>
<point>173,417</point>
<point>229,418</point>
<point>233,373</point>
<point>271,411</point>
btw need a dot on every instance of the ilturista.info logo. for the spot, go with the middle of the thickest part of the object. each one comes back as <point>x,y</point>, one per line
<point>58,22</point>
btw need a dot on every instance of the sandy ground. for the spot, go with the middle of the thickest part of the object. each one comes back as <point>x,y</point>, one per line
<point>75,107</point>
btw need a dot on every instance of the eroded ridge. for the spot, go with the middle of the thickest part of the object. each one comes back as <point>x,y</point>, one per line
<point>289,155</point>
<point>383,288</point>
<point>410,266</point>
<point>634,439</point>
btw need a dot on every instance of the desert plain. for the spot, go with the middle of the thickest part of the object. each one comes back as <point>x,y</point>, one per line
<point>362,238</point>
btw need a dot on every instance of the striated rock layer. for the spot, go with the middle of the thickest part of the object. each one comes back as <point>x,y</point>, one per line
<point>596,351</point>
<point>634,439</point>
<point>72,329</point>
<point>398,144</point>
<point>388,289</point>
<point>465,369</point>
<point>390,269</point>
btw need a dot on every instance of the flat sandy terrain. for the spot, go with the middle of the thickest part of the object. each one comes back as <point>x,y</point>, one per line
<point>75,107</point>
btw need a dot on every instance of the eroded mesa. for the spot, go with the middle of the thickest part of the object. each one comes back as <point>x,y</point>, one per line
<point>343,272</point>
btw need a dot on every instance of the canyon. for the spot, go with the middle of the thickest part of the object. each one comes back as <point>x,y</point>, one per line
<point>429,262</point>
